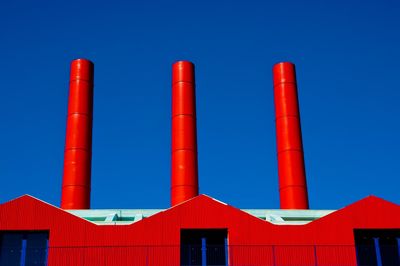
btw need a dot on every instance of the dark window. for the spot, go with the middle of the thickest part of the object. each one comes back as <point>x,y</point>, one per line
<point>204,247</point>
<point>23,248</point>
<point>377,247</point>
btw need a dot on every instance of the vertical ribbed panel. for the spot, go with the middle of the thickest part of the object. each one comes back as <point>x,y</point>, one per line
<point>155,240</point>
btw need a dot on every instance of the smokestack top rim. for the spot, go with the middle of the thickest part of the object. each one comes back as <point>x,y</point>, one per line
<point>182,62</point>
<point>183,71</point>
<point>284,72</point>
<point>82,69</point>
<point>284,62</point>
<point>82,59</point>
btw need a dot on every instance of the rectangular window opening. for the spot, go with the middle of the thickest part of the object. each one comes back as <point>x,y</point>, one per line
<point>204,247</point>
<point>377,247</point>
<point>21,248</point>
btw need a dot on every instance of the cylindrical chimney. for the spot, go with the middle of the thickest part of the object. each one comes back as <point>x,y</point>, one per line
<point>291,170</point>
<point>78,143</point>
<point>184,179</point>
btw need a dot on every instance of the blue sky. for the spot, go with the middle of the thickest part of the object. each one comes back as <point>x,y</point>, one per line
<point>347,57</point>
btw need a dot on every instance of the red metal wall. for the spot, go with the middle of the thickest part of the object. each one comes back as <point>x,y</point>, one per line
<point>74,241</point>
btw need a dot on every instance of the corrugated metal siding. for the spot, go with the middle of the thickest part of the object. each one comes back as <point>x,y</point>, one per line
<point>74,241</point>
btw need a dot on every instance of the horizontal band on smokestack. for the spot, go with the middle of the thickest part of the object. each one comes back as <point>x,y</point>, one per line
<point>291,169</point>
<point>78,142</point>
<point>184,173</point>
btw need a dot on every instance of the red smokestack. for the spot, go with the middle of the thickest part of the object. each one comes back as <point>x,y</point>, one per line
<point>292,177</point>
<point>184,180</point>
<point>78,143</point>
